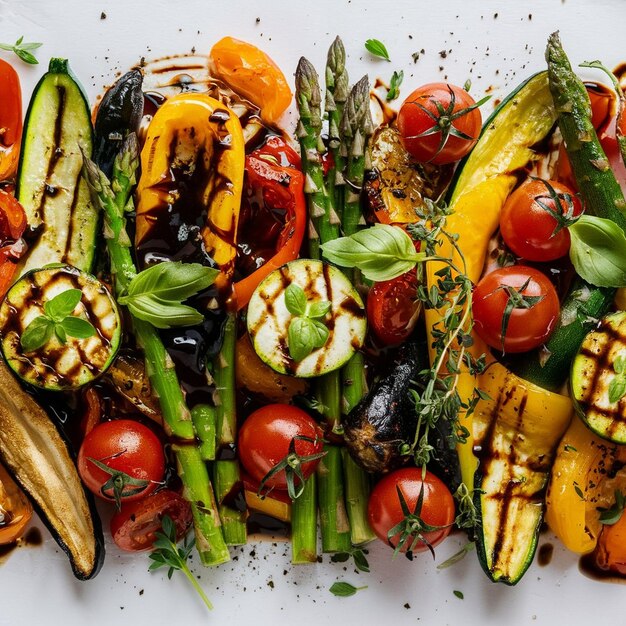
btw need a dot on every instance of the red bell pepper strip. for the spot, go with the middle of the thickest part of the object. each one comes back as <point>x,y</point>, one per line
<point>10,120</point>
<point>12,246</point>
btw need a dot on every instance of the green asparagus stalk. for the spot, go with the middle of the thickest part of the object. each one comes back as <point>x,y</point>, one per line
<point>113,198</point>
<point>356,130</point>
<point>304,524</point>
<point>204,418</point>
<point>226,474</point>
<point>323,220</point>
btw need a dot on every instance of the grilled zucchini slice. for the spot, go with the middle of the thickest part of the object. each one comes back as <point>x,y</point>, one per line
<point>58,365</point>
<point>597,372</point>
<point>269,318</point>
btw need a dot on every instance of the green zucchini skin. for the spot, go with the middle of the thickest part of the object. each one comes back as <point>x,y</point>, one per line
<point>63,221</point>
<point>593,370</point>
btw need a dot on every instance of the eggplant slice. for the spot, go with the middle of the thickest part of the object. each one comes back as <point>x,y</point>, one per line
<point>36,455</point>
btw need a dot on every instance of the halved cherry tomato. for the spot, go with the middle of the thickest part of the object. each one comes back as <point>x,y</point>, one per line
<point>12,246</point>
<point>251,72</point>
<point>128,449</point>
<point>265,439</point>
<point>393,308</point>
<point>439,123</point>
<point>529,325</point>
<point>133,527</point>
<point>15,509</point>
<point>10,120</point>
<point>384,509</point>
<point>528,222</point>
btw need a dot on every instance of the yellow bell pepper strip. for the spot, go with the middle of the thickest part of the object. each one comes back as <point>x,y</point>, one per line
<point>192,163</point>
<point>585,475</point>
<point>486,179</point>
<point>516,433</point>
<point>253,74</point>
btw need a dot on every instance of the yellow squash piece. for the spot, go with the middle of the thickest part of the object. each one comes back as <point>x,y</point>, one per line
<point>193,159</point>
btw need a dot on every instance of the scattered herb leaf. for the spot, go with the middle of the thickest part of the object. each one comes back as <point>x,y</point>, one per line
<point>457,557</point>
<point>343,589</point>
<point>23,50</point>
<point>377,48</point>
<point>394,85</point>
<point>458,594</point>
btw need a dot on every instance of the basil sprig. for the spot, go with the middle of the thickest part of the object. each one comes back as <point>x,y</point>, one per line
<point>57,320</point>
<point>381,252</point>
<point>598,251</point>
<point>156,294</point>
<point>306,331</point>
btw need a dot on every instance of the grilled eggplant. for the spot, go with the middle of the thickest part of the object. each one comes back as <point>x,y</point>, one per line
<point>385,418</point>
<point>32,449</point>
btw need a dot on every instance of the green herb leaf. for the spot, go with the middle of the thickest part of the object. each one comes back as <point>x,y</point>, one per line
<point>612,515</point>
<point>23,50</point>
<point>569,448</point>
<point>457,557</point>
<point>579,491</point>
<point>37,334</point>
<point>343,589</point>
<point>161,313</point>
<point>394,85</point>
<point>304,335</point>
<point>318,309</point>
<point>381,252</point>
<point>377,48</point>
<point>295,299</point>
<point>619,364</point>
<point>60,333</point>
<point>172,281</point>
<point>458,594</point>
<point>78,327</point>
<point>598,251</point>
<point>62,304</point>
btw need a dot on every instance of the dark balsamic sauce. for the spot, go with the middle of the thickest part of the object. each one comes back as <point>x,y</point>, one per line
<point>545,554</point>
<point>268,526</point>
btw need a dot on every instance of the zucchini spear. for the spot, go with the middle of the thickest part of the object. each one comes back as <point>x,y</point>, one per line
<point>160,369</point>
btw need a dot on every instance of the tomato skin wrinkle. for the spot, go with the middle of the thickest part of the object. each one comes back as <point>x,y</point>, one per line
<point>439,123</point>
<point>531,224</point>
<point>527,328</point>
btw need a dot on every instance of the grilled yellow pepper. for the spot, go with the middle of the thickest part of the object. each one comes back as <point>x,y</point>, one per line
<point>192,166</point>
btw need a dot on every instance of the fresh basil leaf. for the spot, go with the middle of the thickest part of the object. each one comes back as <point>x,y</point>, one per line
<point>598,251</point>
<point>60,333</point>
<point>172,281</point>
<point>37,334</point>
<point>162,313</point>
<point>381,252</point>
<point>78,327</point>
<point>394,85</point>
<point>318,309</point>
<point>343,589</point>
<point>319,333</point>
<point>300,338</point>
<point>377,48</point>
<point>295,299</point>
<point>617,389</point>
<point>619,364</point>
<point>62,304</point>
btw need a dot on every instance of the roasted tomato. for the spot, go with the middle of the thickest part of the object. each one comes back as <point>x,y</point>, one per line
<point>385,510</point>
<point>121,460</point>
<point>439,123</point>
<point>15,509</point>
<point>10,120</point>
<point>534,220</point>
<point>133,527</point>
<point>393,308</point>
<point>279,435</point>
<point>12,246</point>
<point>515,308</point>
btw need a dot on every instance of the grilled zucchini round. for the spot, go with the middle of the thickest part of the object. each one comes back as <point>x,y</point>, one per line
<point>74,346</point>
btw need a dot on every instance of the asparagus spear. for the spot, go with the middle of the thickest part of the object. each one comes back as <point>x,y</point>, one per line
<point>304,524</point>
<point>113,198</point>
<point>356,129</point>
<point>226,475</point>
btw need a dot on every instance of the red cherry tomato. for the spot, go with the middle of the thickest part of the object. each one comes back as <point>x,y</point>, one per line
<point>528,222</point>
<point>528,327</point>
<point>429,129</point>
<point>10,120</point>
<point>392,308</point>
<point>127,448</point>
<point>265,439</point>
<point>384,509</point>
<point>133,527</point>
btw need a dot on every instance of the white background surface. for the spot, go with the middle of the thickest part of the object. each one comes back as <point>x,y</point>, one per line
<point>495,52</point>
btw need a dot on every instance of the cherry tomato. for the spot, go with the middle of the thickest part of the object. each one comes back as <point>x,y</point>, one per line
<point>384,509</point>
<point>10,120</point>
<point>528,224</point>
<point>12,246</point>
<point>128,449</point>
<point>265,439</point>
<point>133,527</point>
<point>393,308</point>
<point>15,509</point>
<point>429,130</point>
<point>527,328</point>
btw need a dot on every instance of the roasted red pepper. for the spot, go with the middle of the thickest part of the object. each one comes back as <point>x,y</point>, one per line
<point>274,214</point>
<point>12,246</point>
<point>10,120</point>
